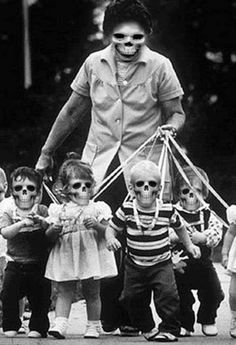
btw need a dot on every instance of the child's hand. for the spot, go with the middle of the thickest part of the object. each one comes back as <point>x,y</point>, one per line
<point>56,228</point>
<point>198,237</point>
<point>224,261</point>
<point>194,251</point>
<point>113,244</point>
<point>178,261</point>
<point>39,220</point>
<point>27,222</point>
<point>90,222</point>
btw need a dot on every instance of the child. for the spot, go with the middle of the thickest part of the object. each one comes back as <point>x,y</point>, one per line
<point>23,225</point>
<point>198,274</point>
<point>148,267</point>
<point>80,252</point>
<point>229,262</point>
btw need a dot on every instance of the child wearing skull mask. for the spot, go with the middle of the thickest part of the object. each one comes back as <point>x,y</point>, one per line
<point>148,266</point>
<point>80,253</point>
<point>198,274</point>
<point>23,225</point>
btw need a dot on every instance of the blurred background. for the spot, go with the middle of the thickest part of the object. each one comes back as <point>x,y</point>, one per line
<point>44,42</point>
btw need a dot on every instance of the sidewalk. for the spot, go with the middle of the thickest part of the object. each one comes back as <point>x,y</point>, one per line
<point>78,322</point>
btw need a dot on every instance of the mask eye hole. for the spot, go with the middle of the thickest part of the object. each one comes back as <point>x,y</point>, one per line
<point>76,185</point>
<point>88,184</point>
<point>17,188</point>
<point>152,184</point>
<point>139,184</point>
<point>138,37</point>
<point>185,191</point>
<point>119,36</point>
<point>31,188</point>
<point>199,190</point>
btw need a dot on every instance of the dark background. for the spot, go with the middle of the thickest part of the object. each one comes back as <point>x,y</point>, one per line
<point>198,37</point>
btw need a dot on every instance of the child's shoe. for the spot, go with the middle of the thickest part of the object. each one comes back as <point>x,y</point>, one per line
<point>34,334</point>
<point>185,332</point>
<point>210,330</point>
<point>92,330</point>
<point>10,334</point>
<point>232,330</point>
<point>59,328</point>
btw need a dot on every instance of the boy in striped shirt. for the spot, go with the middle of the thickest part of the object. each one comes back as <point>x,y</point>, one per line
<point>148,266</point>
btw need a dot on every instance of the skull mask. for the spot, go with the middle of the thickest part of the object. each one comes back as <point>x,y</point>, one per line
<point>145,183</point>
<point>188,198</point>
<point>80,191</point>
<point>24,192</point>
<point>128,38</point>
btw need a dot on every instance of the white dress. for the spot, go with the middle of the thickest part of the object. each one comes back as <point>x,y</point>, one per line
<point>79,253</point>
<point>232,258</point>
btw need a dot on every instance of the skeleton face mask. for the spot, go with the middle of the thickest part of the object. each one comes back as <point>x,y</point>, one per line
<point>80,191</point>
<point>128,38</point>
<point>188,199</point>
<point>145,186</point>
<point>24,192</point>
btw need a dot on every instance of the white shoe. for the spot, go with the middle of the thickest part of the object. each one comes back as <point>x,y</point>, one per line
<point>10,334</point>
<point>92,331</point>
<point>232,330</point>
<point>59,329</point>
<point>210,330</point>
<point>34,334</point>
<point>24,327</point>
<point>185,333</point>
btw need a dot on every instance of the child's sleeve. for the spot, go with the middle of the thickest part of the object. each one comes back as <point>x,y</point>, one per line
<point>53,214</point>
<point>214,232</point>
<point>176,221</point>
<point>118,221</point>
<point>103,211</point>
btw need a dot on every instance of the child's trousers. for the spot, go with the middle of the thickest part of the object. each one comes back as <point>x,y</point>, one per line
<point>139,284</point>
<point>200,276</point>
<point>25,280</point>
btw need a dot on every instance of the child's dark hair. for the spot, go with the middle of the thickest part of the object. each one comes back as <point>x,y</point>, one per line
<point>27,172</point>
<point>72,168</point>
<point>179,180</point>
<point>120,11</point>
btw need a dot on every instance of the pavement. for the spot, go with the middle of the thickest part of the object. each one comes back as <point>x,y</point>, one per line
<point>78,321</point>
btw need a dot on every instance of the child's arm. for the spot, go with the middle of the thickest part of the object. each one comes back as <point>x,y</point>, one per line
<point>112,242</point>
<point>53,232</point>
<point>185,239</point>
<point>228,240</point>
<point>12,230</point>
<point>92,223</point>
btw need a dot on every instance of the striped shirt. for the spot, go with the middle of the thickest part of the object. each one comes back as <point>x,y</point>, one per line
<point>146,246</point>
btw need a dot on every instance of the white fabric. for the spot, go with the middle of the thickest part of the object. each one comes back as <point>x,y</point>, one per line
<point>232,257</point>
<point>79,253</point>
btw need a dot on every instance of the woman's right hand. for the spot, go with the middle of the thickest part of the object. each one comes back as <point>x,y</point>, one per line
<point>45,163</point>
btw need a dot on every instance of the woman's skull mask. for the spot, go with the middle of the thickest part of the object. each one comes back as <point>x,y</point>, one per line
<point>128,38</point>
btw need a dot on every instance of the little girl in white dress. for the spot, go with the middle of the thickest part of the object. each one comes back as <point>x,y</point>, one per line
<point>79,253</point>
<point>229,262</point>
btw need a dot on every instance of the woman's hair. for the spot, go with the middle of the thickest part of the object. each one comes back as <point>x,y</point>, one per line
<point>179,180</point>
<point>72,168</point>
<point>120,11</point>
<point>27,172</point>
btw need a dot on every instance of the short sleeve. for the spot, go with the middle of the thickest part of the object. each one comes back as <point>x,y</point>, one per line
<point>81,82</point>
<point>53,213</point>
<point>169,85</point>
<point>103,211</point>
